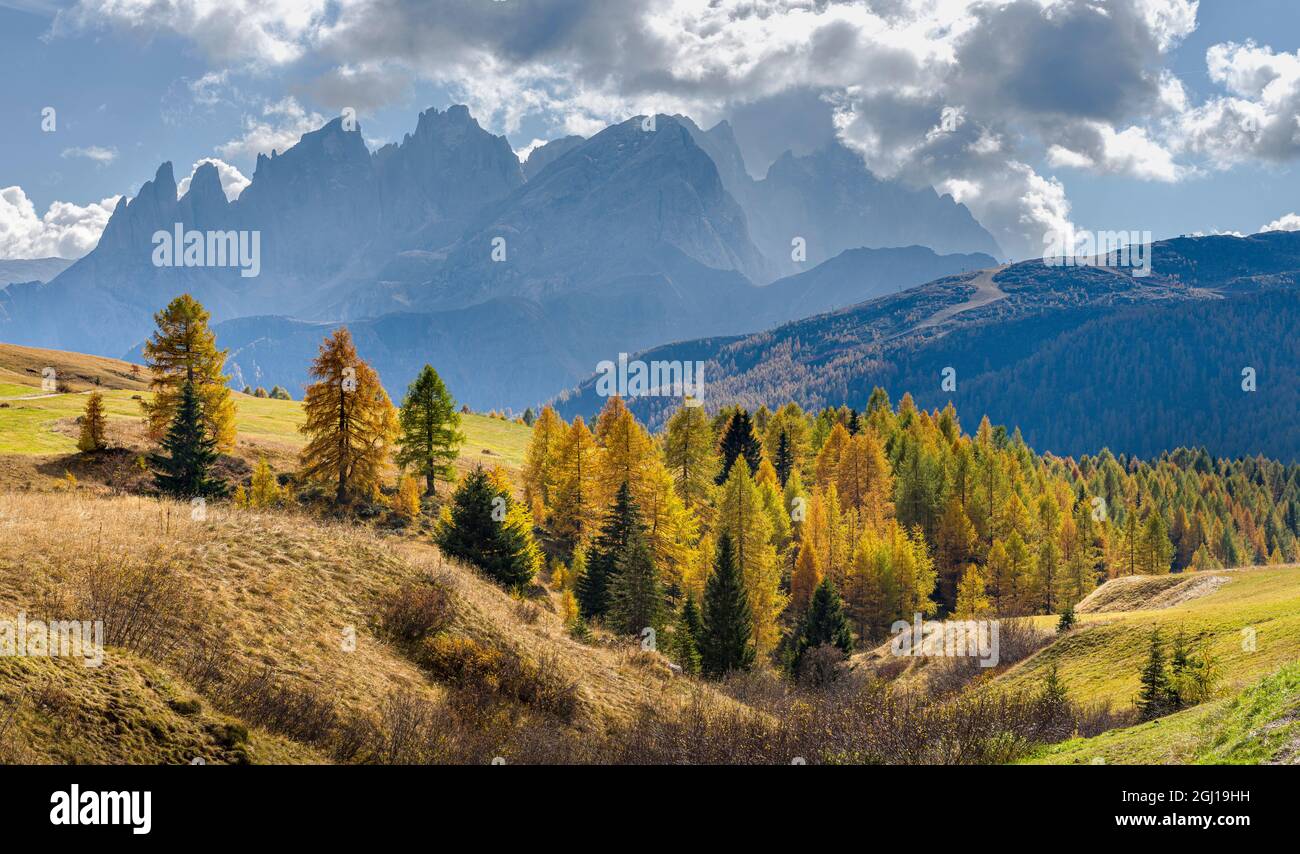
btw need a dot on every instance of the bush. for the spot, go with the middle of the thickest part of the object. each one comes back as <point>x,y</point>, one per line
<point>820,666</point>
<point>468,665</point>
<point>414,613</point>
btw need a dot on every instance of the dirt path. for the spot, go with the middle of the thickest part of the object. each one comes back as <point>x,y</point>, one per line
<point>986,292</point>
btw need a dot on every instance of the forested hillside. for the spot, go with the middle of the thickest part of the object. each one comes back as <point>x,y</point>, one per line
<point>898,508</point>
<point>1079,358</point>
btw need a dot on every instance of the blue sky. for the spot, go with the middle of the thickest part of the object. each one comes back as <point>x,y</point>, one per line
<point>1106,115</point>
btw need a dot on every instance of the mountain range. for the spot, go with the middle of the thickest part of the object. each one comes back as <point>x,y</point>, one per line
<point>516,278</point>
<point>1200,352</point>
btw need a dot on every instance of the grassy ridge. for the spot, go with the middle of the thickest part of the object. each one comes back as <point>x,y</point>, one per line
<point>1100,661</point>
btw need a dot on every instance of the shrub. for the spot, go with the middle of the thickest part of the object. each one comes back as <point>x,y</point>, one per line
<point>414,613</point>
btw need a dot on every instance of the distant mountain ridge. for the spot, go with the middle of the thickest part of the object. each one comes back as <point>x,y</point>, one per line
<point>1077,358</point>
<point>592,247</point>
<point>31,269</point>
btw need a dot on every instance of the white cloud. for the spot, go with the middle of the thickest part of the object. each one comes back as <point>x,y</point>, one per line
<point>233,181</point>
<point>1286,222</point>
<point>522,153</point>
<point>259,32</point>
<point>1025,75</point>
<point>280,126</point>
<point>102,156</point>
<point>65,230</point>
<point>1128,152</point>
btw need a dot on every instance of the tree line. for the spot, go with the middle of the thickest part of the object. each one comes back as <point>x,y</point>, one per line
<point>869,517</point>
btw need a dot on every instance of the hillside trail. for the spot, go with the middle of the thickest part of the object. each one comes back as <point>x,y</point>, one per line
<point>986,293</point>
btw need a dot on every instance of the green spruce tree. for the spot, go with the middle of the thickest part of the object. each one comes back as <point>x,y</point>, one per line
<point>784,462</point>
<point>739,441</point>
<point>726,642</point>
<point>636,599</point>
<point>684,646</point>
<point>184,467</point>
<point>621,526</point>
<point>1155,697</point>
<point>823,623</point>
<point>483,527</point>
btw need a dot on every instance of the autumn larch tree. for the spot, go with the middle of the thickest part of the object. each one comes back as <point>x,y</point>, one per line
<point>742,515</point>
<point>183,347</point>
<point>541,462</point>
<point>575,510</point>
<point>691,454</point>
<point>350,421</point>
<point>726,643</point>
<point>429,434</point>
<point>92,425</point>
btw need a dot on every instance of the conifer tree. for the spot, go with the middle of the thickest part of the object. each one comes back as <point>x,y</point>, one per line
<point>636,599</point>
<point>954,548</point>
<point>183,468</point>
<point>576,508</point>
<point>541,462</point>
<point>738,442</point>
<point>627,455</point>
<point>184,348</point>
<point>784,458</point>
<point>685,642</point>
<point>864,479</point>
<point>791,422</point>
<point>828,458</point>
<point>92,425</point>
<point>350,422</point>
<point>805,579</point>
<point>608,553</point>
<point>406,500</point>
<point>429,430</point>
<point>742,515</point>
<point>691,455</point>
<point>1155,698</point>
<point>484,526</point>
<point>265,491</point>
<point>726,643</point>
<point>823,623</point>
<point>971,599</point>
<point>1154,548</point>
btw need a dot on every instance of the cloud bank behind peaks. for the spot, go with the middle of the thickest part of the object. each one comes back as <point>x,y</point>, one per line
<point>994,101</point>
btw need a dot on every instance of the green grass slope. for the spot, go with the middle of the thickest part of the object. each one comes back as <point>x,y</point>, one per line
<point>43,424</point>
<point>1101,659</point>
<point>1259,725</point>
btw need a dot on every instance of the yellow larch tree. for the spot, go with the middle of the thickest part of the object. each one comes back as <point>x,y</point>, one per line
<point>350,425</point>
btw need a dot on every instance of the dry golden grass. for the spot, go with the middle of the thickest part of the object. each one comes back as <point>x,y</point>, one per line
<point>276,592</point>
<point>23,366</point>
